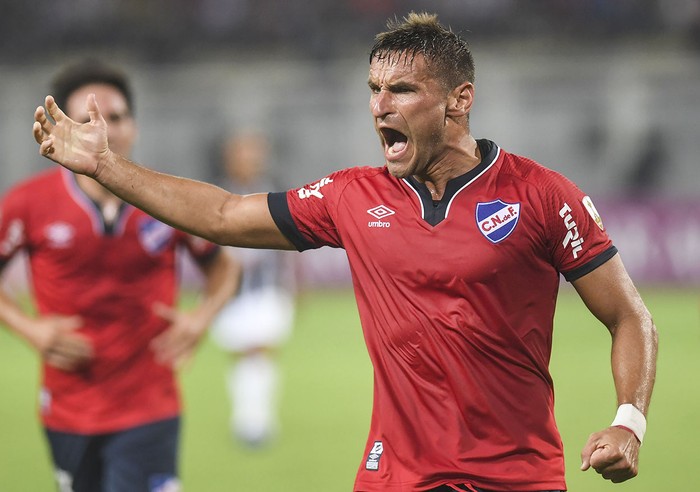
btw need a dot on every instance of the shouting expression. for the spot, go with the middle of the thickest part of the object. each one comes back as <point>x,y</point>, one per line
<point>410,107</point>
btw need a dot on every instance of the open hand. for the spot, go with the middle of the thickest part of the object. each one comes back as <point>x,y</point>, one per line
<point>78,147</point>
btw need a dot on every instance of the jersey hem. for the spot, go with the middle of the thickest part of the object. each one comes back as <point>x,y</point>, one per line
<point>361,486</point>
<point>112,428</point>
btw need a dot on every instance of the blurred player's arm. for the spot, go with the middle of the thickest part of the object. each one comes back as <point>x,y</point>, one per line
<point>176,345</point>
<point>193,206</point>
<point>53,337</point>
<point>610,295</point>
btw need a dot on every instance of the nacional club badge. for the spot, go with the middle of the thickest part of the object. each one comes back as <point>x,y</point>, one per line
<point>497,219</point>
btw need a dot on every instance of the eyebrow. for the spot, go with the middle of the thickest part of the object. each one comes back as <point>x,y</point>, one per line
<point>392,86</point>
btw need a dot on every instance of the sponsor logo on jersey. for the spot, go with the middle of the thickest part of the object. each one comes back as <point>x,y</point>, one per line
<point>314,189</point>
<point>590,208</point>
<point>572,238</point>
<point>380,212</point>
<point>497,219</point>
<point>60,235</point>
<point>154,235</point>
<point>374,456</point>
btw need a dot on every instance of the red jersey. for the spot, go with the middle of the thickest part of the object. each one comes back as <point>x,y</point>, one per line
<point>109,276</point>
<point>456,300</point>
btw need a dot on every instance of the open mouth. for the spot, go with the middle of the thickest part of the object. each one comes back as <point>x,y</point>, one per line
<point>395,141</point>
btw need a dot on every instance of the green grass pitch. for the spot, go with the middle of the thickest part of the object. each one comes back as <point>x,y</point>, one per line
<point>326,403</point>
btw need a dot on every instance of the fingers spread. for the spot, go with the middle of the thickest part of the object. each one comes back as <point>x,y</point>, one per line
<point>42,125</point>
<point>37,132</point>
<point>53,109</point>
<point>92,108</point>
<point>41,129</point>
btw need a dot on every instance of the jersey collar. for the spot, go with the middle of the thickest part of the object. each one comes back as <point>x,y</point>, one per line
<point>435,211</point>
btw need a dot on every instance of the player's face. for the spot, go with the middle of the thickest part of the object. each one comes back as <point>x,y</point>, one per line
<point>121,127</point>
<point>408,105</point>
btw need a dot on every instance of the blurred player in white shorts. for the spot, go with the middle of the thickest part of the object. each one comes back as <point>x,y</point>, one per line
<point>259,319</point>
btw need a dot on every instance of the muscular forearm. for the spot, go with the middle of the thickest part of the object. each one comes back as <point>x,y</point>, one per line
<point>634,350</point>
<point>193,206</point>
<point>189,205</point>
<point>609,293</point>
<point>196,207</point>
<point>612,298</point>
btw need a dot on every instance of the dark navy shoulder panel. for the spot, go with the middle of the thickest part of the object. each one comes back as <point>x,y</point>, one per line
<point>594,263</point>
<point>279,209</point>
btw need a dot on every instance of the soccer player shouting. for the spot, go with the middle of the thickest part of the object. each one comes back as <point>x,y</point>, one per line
<point>456,247</point>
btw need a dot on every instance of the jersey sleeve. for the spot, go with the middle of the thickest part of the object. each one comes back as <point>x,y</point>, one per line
<point>307,215</point>
<point>13,225</point>
<point>576,235</point>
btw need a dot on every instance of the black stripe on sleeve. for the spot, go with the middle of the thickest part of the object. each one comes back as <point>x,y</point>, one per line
<point>279,209</point>
<point>579,272</point>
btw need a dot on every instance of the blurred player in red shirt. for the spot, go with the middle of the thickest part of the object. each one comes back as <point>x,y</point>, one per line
<point>456,247</point>
<point>105,280</point>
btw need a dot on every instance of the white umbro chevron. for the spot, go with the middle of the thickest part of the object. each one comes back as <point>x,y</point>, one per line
<point>380,211</point>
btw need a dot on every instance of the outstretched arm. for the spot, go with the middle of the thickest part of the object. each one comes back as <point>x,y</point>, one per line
<point>193,206</point>
<point>612,298</point>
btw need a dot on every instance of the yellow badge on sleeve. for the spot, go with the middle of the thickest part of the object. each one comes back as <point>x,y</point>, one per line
<point>588,203</point>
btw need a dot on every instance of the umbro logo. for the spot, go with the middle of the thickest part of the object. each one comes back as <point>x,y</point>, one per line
<point>380,212</point>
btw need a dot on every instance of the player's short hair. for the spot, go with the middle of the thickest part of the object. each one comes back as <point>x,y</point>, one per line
<point>89,71</point>
<point>445,52</point>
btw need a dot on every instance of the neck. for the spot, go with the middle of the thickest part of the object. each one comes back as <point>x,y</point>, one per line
<point>459,159</point>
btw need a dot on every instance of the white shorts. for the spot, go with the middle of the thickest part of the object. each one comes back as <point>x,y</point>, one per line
<point>258,319</point>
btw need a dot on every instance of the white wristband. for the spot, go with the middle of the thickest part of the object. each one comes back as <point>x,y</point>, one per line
<point>629,417</point>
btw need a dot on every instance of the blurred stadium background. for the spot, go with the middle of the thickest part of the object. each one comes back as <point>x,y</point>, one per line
<point>605,91</point>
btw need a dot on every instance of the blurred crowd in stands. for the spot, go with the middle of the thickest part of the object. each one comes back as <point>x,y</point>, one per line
<point>170,30</point>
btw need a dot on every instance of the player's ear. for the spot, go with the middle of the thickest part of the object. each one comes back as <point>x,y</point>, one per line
<point>460,99</point>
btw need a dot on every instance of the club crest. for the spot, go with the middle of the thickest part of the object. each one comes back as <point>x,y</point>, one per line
<point>497,219</point>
